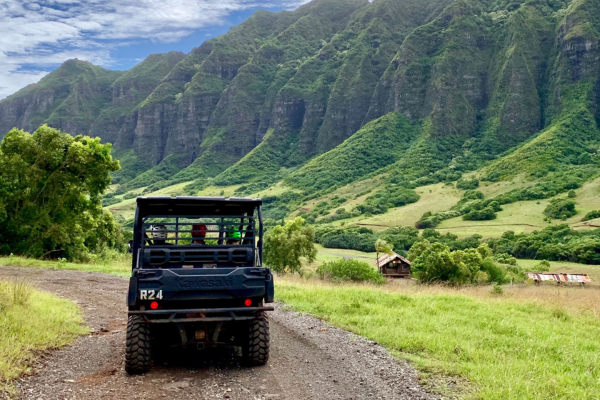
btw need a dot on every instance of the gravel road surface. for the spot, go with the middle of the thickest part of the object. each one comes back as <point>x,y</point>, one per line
<point>309,359</point>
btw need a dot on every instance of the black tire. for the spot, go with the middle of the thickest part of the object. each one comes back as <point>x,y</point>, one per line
<point>256,349</point>
<point>138,355</point>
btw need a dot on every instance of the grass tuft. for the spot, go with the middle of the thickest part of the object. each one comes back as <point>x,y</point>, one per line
<point>31,322</point>
<point>21,292</point>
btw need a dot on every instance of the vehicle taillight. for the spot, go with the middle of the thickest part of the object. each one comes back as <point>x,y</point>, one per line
<point>247,302</point>
<point>154,305</point>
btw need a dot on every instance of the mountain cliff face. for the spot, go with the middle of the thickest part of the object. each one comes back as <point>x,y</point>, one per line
<point>447,84</point>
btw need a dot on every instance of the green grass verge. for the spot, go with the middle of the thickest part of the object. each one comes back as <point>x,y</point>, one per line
<point>507,349</point>
<point>30,322</point>
<point>118,268</point>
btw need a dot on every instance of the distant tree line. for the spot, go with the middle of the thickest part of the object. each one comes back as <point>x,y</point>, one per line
<point>554,243</point>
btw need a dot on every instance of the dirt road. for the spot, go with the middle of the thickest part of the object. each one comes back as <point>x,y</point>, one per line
<point>309,360</point>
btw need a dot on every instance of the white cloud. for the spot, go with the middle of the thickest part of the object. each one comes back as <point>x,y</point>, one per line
<point>37,34</point>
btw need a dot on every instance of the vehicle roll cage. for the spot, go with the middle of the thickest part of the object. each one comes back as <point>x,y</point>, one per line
<point>246,227</point>
<point>197,230</point>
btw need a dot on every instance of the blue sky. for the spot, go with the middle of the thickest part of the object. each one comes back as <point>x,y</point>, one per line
<point>39,35</point>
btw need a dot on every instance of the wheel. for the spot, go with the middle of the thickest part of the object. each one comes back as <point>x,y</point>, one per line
<point>138,347</point>
<point>256,349</point>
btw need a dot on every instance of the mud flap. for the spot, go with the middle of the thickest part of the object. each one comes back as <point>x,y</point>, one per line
<point>269,289</point>
<point>133,290</point>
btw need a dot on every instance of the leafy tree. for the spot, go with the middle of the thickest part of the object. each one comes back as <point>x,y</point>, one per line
<point>381,246</point>
<point>285,245</point>
<point>51,185</point>
<point>554,243</point>
<point>435,262</point>
<point>401,237</point>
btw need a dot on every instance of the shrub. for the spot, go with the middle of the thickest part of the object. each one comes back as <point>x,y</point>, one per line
<point>481,278</point>
<point>497,290</point>
<point>485,214</point>
<point>351,270</point>
<point>388,198</point>
<point>591,215</point>
<point>542,266</point>
<point>130,196</point>
<point>495,271</point>
<point>110,201</point>
<point>348,237</point>
<point>560,209</point>
<point>473,195</point>
<point>465,184</point>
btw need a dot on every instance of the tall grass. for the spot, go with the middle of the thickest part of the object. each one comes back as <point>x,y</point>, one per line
<point>508,349</point>
<point>21,292</point>
<point>30,322</point>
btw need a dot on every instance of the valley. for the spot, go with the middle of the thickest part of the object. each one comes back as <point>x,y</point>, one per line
<point>464,135</point>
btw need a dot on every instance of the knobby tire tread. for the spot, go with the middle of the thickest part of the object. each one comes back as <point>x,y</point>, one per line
<point>138,355</point>
<point>257,347</point>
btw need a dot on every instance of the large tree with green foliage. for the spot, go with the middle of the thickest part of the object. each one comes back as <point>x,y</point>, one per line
<point>285,245</point>
<point>435,262</point>
<point>51,185</point>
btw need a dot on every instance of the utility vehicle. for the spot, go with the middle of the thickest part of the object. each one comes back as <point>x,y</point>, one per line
<point>197,278</point>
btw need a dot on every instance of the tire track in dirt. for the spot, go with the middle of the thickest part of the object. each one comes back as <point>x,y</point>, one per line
<point>309,359</point>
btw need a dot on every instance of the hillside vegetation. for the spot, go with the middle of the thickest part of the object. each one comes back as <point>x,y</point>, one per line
<point>343,90</point>
<point>474,117</point>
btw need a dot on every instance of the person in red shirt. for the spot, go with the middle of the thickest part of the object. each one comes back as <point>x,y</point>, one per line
<point>198,234</point>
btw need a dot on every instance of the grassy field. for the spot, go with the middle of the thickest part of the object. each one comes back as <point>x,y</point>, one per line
<point>30,322</point>
<point>438,197</point>
<point>508,346</point>
<point>525,216</point>
<point>345,253</point>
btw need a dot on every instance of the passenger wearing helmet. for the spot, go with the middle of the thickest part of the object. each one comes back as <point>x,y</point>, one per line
<point>198,234</point>
<point>234,236</point>
<point>159,234</point>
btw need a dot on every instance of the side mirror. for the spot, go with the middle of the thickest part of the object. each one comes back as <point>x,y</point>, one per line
<point>130,246</point>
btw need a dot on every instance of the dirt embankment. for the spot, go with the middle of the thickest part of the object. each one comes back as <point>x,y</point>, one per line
<point>309,360</point>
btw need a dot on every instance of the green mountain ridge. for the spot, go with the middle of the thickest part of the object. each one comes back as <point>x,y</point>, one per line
<point>339,91</point>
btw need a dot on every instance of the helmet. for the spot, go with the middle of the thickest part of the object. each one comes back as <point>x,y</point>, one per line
<point>233,233</point>
<point>158,231</point>
<point>199,231</point>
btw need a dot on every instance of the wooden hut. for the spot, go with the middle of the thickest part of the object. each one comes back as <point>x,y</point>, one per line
<point>393,266</point>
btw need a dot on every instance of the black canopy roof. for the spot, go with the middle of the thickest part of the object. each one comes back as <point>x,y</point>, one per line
<point>189,206</point>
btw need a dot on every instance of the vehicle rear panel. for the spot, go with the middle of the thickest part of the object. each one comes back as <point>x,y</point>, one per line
<point>197,284</point>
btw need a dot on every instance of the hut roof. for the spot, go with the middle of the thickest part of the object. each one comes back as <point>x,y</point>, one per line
<point>387,258</point>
